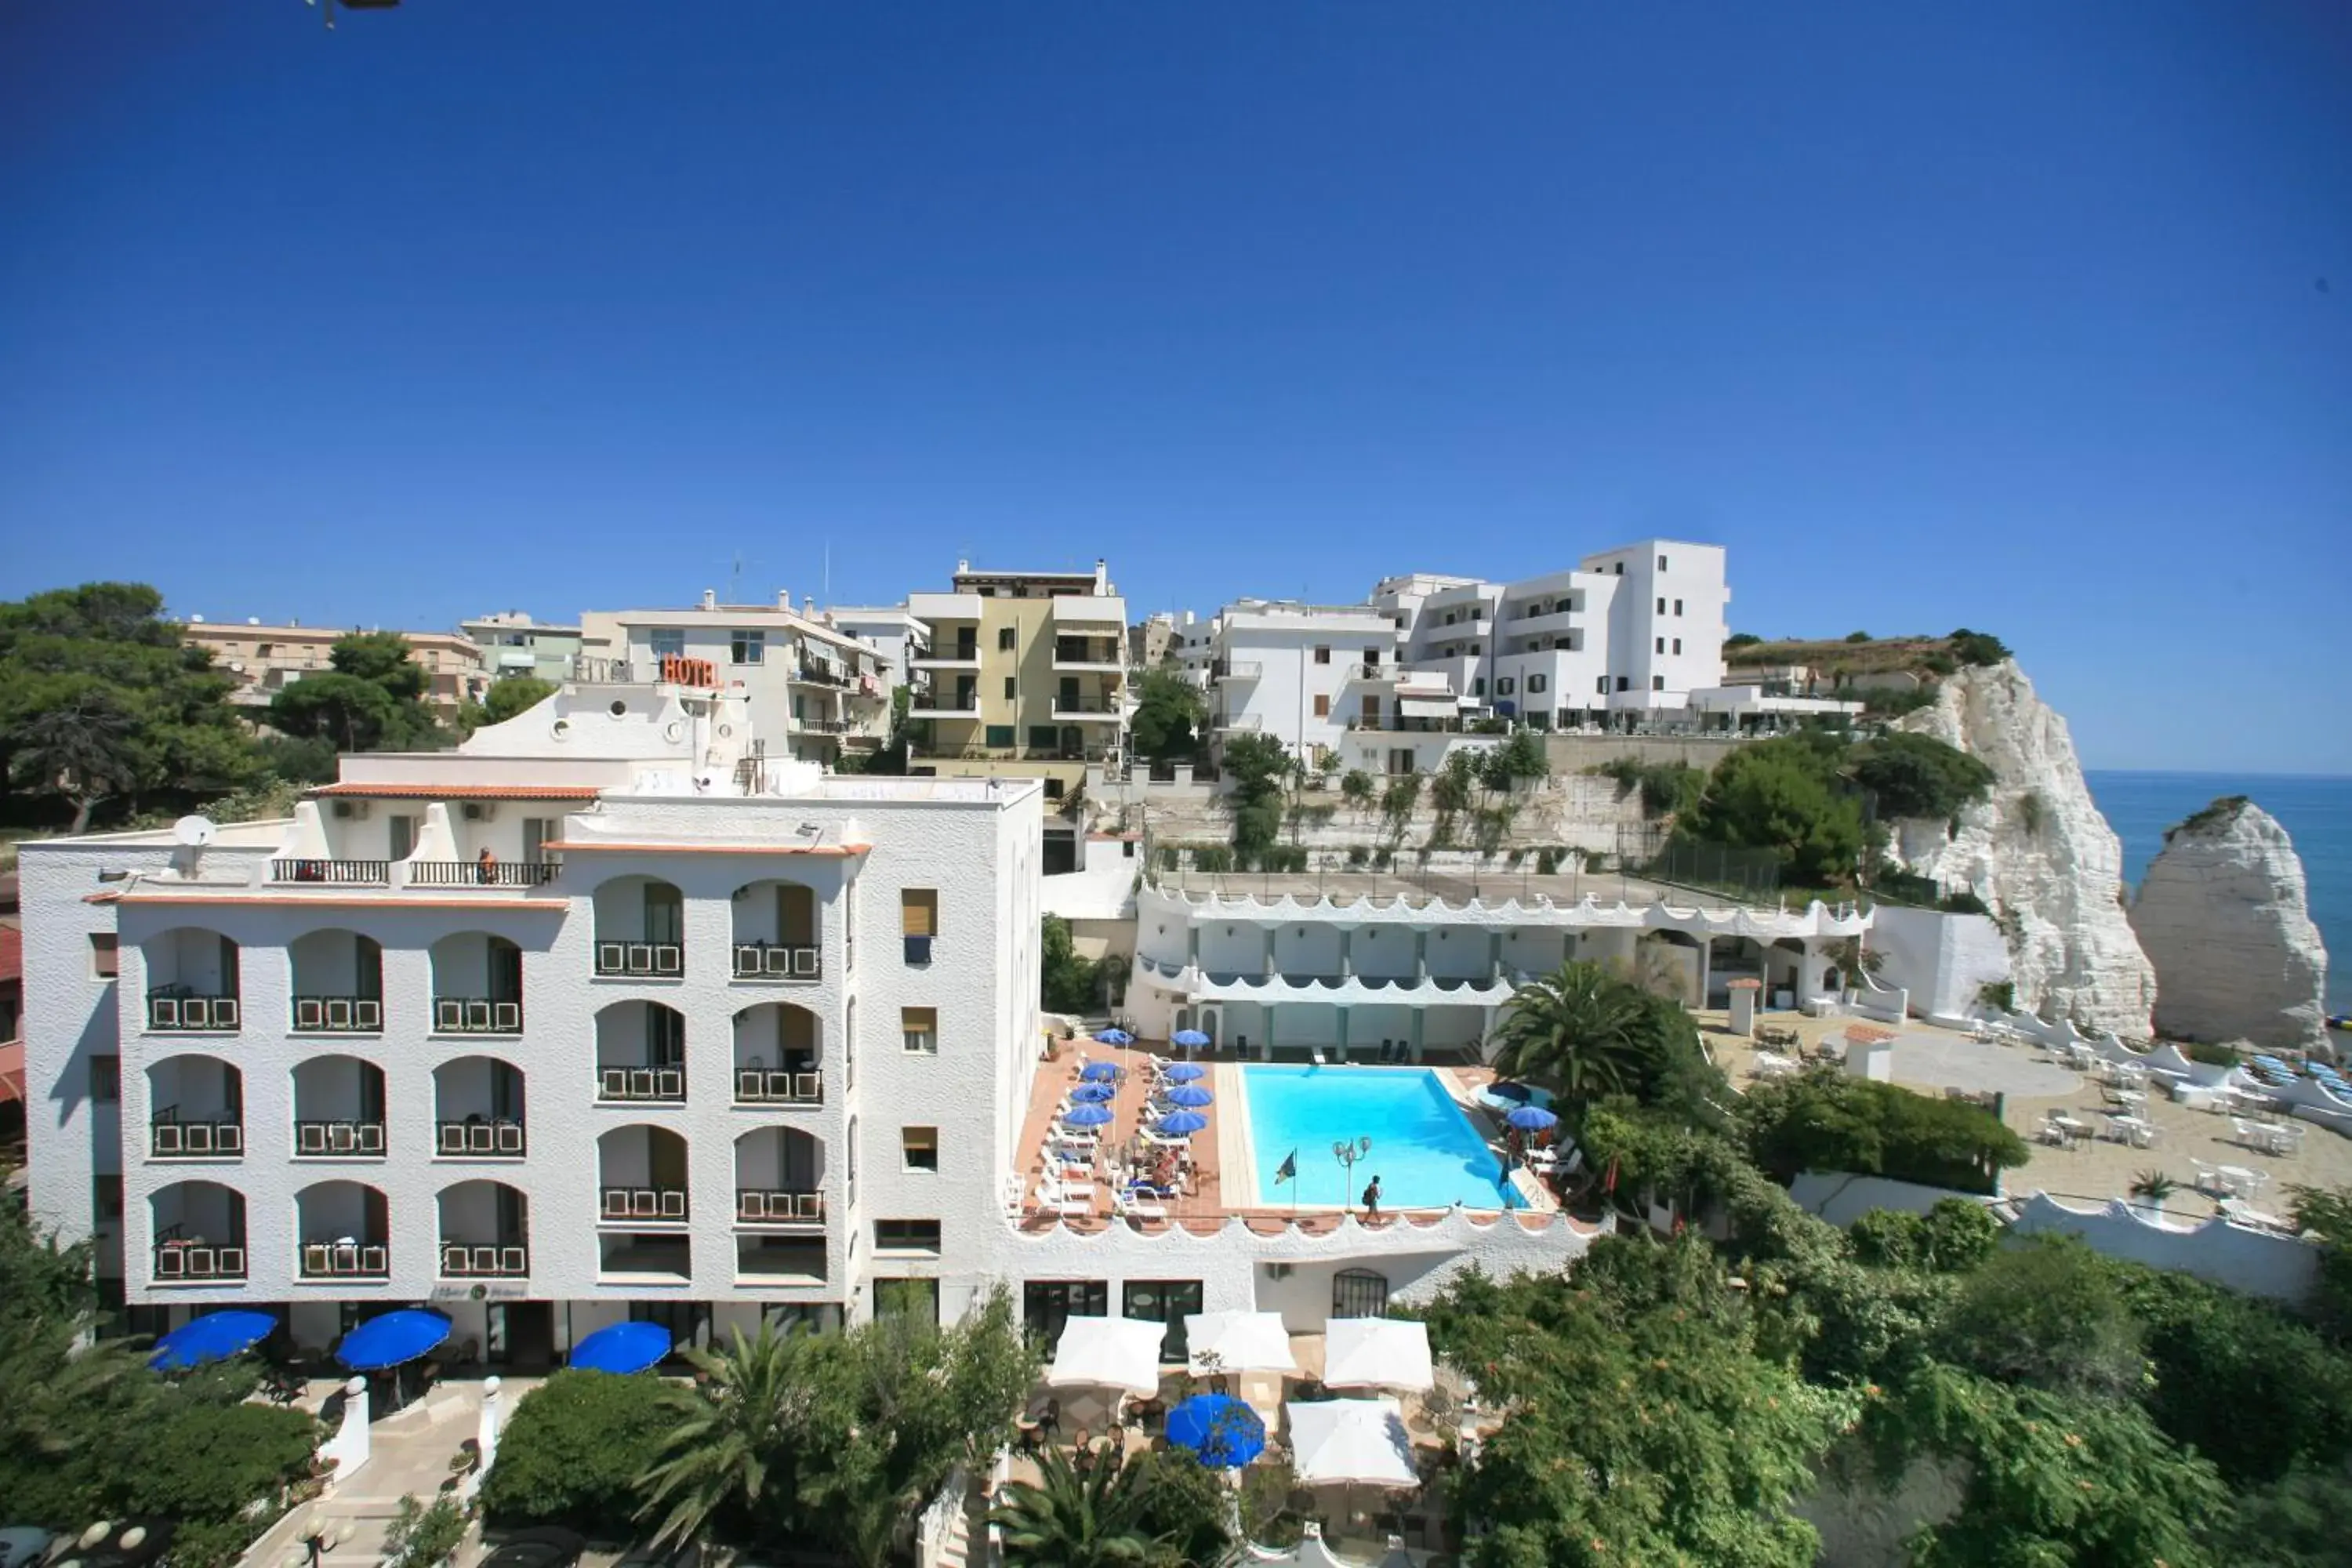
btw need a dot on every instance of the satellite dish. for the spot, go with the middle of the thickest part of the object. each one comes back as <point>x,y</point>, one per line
<point>194,831</point>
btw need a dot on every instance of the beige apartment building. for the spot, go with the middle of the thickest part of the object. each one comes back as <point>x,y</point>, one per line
<point>1027,677</point>
<point>266,659</point>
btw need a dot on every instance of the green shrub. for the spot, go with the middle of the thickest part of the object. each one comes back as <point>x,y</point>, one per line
<point>2210,1053</point>
<point>1963,903</point>
<point>1740,639</point>
<point>1827,1122</point>
<point>1978,647</point>
<point>2223,810</point>
<point>1859,636</point>
<point>2000,993</point>
<point>421,1534</point>
<point>1894,701</point>
<point>573,1451</point>
<point>1952,1237</point>
<point>1213,857</point>
<point>1918,775</point>
<point>1358,856</point>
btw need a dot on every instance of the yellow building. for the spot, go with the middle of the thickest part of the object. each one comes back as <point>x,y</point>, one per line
<point>263,660</point>
<point>1026,673</point>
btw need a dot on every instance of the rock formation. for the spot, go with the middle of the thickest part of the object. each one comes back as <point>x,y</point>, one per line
<point>2037,851</point>
<point>2222,915</point>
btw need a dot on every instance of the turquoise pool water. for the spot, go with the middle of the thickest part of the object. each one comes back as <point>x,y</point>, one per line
<point>1424,1150</point>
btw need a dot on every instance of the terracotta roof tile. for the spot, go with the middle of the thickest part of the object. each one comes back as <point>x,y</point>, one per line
<point>463,792</point>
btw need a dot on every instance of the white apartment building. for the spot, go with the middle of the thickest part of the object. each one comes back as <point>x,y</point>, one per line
<point>599,1016</point>
<point>513,643</point>
<point>815,691</point>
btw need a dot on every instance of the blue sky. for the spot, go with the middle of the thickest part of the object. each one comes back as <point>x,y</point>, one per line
<point>2031,318</point>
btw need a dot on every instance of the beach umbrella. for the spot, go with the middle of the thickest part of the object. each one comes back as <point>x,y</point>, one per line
<point>1377,1352</point>
<point>392,1339</point>
<point>1182,1124</point>
<point>1517,1092</point>
<point>1086,1116</point>
<point>1093,1093</point>
<point>1116,1037</point>
<point>1220,1430</point>
<point>215,1336</point>
<point>622,1348</point>
<point>1185,1072</point>
<point>1107,1352</point>
<point>1190,1039</point>
<point>1351,1442</point>
<point>1102,1072</point>
<point>1185,1094</point>
<point>1237,1341</point>
<point>1532,1119</point>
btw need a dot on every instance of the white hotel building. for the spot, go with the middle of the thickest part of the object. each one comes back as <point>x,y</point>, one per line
<point>708,1038</point>
<point>1630,637</point>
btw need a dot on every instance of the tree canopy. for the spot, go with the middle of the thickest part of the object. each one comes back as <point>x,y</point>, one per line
<point>372,698</point>
<point>1782,795</point>
<point>1918,775</point>
<point>1169,712</point>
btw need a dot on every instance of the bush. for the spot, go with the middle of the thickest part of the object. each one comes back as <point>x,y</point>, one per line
<point>1359,856</point>
<point>1547,862</point>
<point>573,1451</point>
<point>2000,993</point>
<point>1952,1237</point>
<point>1963,904</point>
<point>1825,1121</point>
<point>1978,647</point>
<point>422,1535</point>
<point>1894,701</point>
<point>1859,636</point>
<point>1918,775</point>
<point>1783,796</point>
<point>1213,857</point>
<point>1740,639</point>
<point>2211,1055</point>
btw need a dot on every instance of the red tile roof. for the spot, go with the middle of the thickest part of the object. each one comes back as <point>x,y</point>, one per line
<point>12,954</point>
<point>463,792</point>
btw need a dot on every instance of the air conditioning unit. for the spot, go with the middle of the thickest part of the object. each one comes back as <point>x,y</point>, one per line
<point>481,811</point>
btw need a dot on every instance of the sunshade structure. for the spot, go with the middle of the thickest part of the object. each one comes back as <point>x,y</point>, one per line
<point>1238,1341</point>
<point>1102,1072</point>
<point>1189,1096</point>
<point>1088,1115</point>
<point>1377,1352</point>
<point>622,1348</point>
<point>1093,1093</point>
<point>1351,1442</point>
<point>1532,1119</point>
<point>1107,1352</point>
<point>1220,1429</point>
<point>1190,1039</point>
<point>1116,1037</point>
<point>215,1336</point>
<point>1180,1124</point>
<point>393,1339</point>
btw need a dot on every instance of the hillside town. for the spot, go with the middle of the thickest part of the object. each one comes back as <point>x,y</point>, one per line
<point>1185,995</point>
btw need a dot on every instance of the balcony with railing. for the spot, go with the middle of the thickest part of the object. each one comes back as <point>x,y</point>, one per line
<point>777,1054</point>
<point>477,873</point>
<point>338,1109</point>
<point>478,1109</point>
<point>484,1231</point>
<point>191,982</point>
<point>345,1232</point>
<point>639,922</point>
<point>198,1109</point>
<point>1083,707</point>
<point>641,1177</point>
<point>778,931</point>
<point>199,1233</point>
<point>957,704</point>
<point>334,873</point>
<point>338,983</point>
<point>640,1054</point>
<point>1101,655</point>
<point>779,1179</point>
<point>1236,670</point>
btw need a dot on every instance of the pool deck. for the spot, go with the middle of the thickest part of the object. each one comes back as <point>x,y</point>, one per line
<point>1224,1182</point>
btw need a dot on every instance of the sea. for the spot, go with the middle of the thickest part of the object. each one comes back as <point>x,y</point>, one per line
<point>2315,812</point>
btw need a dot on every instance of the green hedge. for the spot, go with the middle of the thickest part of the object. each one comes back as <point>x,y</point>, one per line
<point>1825,1121</point>
<point>573,1454</point>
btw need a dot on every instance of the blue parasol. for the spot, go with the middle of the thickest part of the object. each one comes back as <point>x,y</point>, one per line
<point>1531,1119</point>
<point>1116,1037</point>
<point>1220,1430</point>
<point>215,1336</point>
<point>622,1347</point>
<point>1188,1095</point>
<point>1182,1124</point>
<point>1093,1093</point>
<point>1102,1072</point>
<point>1190,1039</point>
<point>1086,1116</point>
<point>1185,1072</point>
<point>392,1339</point>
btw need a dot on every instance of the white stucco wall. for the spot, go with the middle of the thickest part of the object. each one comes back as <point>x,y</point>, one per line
<point>1941,960</point>
<point>2258,1262</point>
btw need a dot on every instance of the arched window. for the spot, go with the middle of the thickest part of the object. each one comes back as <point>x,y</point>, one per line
<point>1360,1293</point>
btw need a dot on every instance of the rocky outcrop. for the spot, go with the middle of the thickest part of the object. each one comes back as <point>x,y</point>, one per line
<point>2036,850</point>
<point>2222,917</point>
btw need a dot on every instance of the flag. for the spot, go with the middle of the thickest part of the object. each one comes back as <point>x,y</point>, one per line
<point>1288,1170</point>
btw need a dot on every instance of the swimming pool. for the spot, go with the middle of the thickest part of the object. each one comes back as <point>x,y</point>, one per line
<point>1424,1150</point>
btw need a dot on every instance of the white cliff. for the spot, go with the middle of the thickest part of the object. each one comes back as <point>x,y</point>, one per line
<point>2221,914</point>
<point>2036,850</point>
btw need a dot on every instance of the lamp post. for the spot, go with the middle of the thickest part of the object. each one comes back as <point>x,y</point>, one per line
<point>1348,1152</point>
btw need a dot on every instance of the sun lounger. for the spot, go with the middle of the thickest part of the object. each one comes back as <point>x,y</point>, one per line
<point>1127,1208</point>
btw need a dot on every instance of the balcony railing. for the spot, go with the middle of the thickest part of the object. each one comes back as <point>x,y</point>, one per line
<point>635,1085</point>
<point>479,1140</point>
<point>338,1139</point>
<point>344,1260</point>
<point>816,674</point>
<point>475,874</point>
<point>821,726</point>
<point>645,960</point>
<point>1074,702</point>
<point>1374,671</point>
<point>464,1260</point>
<point>758,1086</point>
<point>779,960</point>
<point>349,873</point>
<point>187,1262</point>
<point>169,1137</point>
<point>1240,721</point>
<point>1237,670</point>
<point>637,1204</point>
<point>947,702</point>
<point>770,1206</point>
<point>338,1014</point>
<point>476,1015</point>
<point>184,1012</point>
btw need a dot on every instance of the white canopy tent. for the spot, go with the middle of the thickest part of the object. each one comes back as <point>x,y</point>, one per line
<point>1107,1352</point>
<point>1377,1352</point>
<point>1351,1442</point>
<point>1238,1341</point>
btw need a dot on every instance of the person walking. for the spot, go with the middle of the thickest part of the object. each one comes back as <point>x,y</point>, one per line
<point>1372,1199</point>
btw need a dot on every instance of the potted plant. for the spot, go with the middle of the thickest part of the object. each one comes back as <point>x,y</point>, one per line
<point>2151,1188</point>
<point>422,1536</point>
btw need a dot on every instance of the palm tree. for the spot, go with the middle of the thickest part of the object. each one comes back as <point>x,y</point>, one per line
<point>729,1435</point>
<point>2152,1187</point>
<point>1573,1030</point>
<point>1073,1518</point>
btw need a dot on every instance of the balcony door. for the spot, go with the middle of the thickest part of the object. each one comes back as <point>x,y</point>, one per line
<point>664,1038</point>
<point>664,914</point>
<point>666,1164</point>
